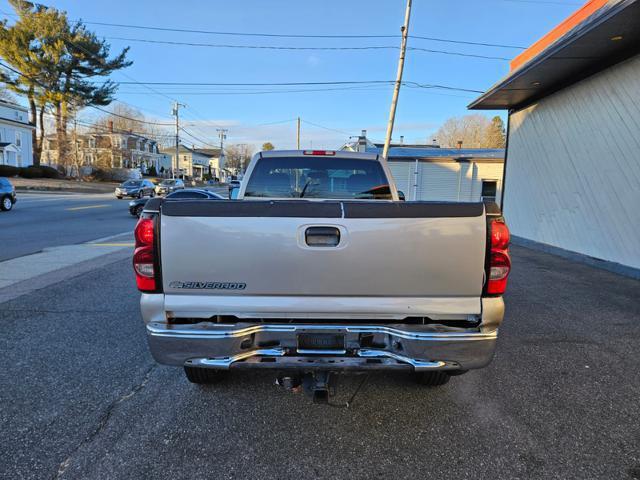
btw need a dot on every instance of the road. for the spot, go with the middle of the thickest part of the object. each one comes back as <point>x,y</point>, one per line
<point>82,398</point>
<point>40,220</point>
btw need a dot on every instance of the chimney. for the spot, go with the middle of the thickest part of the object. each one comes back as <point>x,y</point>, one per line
<point>110,126</point>
<point>401,139</point>
<point>362,141</point>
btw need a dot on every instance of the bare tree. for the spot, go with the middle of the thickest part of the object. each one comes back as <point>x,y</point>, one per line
<point>237,157</point>
<point>471,130</point>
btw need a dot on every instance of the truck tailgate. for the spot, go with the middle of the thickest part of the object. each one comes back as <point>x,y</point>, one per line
<point>385,249</point>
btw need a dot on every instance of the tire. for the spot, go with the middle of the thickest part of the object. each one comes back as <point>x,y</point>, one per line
<point>432,379</point>
<point>139,195</point>
<point>119,198</point>
<point>203,376</point>
<point>138,210</point>
<point>6,204</point>
<point>152,194</point>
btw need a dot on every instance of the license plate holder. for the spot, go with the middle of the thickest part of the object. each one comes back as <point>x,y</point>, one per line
<point>319,342</point>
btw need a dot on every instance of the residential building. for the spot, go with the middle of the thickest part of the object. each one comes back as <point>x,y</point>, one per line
<point>16,143</point>
<point>428,172</point>
<point>107,148</point>
<point>572,182</point>
<point>196,162</point>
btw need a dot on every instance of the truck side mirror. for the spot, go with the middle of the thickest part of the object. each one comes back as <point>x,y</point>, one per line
<point>233,193</point>
<point>401,195</point>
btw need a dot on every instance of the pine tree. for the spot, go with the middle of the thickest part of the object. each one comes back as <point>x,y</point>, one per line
<point>57,62</point>
<point>495,136</point>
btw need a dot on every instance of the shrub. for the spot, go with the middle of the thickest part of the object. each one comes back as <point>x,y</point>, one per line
<point>31,172</point>
<point>49,172</point>
<point>8,171</point>
<point>151,171</point>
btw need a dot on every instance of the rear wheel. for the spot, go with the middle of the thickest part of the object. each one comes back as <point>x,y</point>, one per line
<point>204,376</point>
<point>432,379</point>
<point>6,204</point>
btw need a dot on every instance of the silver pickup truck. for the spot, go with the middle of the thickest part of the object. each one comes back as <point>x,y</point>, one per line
<point>316,268</point>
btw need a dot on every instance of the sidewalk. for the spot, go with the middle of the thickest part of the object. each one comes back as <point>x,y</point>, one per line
<point>23,275</point>
<point>56,185</point>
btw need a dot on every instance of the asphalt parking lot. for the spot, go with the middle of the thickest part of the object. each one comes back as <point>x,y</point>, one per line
<point>82,398</point>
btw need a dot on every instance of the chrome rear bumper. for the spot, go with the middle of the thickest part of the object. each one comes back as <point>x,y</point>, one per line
<point>398,346</point>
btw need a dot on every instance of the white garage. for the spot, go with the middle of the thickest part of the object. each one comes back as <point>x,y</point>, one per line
<point>572,168</point>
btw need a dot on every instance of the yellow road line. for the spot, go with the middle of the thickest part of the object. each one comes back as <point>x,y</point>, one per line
<point>129,244</point>
<point>88,206</point>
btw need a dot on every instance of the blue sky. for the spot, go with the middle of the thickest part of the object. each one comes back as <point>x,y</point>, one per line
<point>420,112</point>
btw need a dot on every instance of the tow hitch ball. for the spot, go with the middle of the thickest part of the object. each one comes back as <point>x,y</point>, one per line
<point>320,385</point>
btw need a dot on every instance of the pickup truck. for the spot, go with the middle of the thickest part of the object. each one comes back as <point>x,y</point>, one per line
<point>318,268</point>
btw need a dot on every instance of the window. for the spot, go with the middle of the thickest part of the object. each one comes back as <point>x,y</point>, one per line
<point>187,195</point>
<point>318,177</point>
<point>18,139</point>
<point>489,190</point>
<point>19,159</point>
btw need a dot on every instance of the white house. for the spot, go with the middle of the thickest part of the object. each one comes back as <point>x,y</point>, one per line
<point>195,162</point>
<point>16,147</point>
<point>431,173</point>
<point>572,181</point>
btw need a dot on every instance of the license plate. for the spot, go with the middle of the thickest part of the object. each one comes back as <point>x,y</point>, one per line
<point>320,341</point>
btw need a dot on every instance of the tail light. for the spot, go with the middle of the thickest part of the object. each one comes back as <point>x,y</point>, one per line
<point>144,255</point>
<point>499,260</point>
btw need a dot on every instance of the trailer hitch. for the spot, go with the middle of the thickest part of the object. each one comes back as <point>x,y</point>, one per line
<point>320,385</point>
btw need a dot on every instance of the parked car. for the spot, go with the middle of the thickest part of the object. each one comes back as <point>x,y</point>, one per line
<point>318,268</point>
<point>7,194</point>
<point>137,206</point>
<point>135,189</point>
<point>169,185</point>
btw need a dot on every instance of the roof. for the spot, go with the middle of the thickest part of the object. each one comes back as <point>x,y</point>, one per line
<point>600,34</point>
<point>430,152</point>
<point>210,152</point>
<point>13,105</point>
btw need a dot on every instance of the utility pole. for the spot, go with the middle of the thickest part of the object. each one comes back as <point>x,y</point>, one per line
<point>176,113</point>
<point>396,89</point>
<point>298,135</point>
<point>75,142</point>
<point>222,133</point>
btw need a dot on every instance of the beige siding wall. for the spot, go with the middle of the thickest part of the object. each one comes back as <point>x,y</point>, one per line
<point>441,181</point>
<point>573,168</point>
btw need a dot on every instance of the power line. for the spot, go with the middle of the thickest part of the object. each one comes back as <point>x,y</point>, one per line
<point>264,84</point>
<point>291,48</point>
<point>130,118</point>
<point>340,82</point>
<point>263,92</point>
<point>197,139</point>
<point>217,84</point>
<point>292,35</point>
<point>326,128</point>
